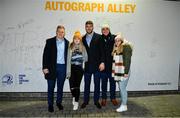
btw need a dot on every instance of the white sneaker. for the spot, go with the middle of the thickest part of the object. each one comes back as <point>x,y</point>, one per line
<point>122,108</point>
<point>75,106</point>
<point>73,100</point>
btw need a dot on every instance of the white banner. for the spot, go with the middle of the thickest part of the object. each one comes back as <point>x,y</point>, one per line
<point>152,26</point>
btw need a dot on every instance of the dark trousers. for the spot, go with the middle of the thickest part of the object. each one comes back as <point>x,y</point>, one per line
<point>105,76</point>
<point>61,75</point>
<point>75,81</point>
<point>87,82</point>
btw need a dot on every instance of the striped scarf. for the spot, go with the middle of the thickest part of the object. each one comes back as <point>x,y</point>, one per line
<point>77,57</point>
<point>118,67</point>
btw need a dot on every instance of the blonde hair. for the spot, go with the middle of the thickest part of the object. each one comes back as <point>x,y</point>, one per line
<point>124,42</point>
<point>77,34</point>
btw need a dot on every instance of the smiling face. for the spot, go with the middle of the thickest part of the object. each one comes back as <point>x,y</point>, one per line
<point>89,28</point>
<point>76,40</point>
<point>118,42</point>
<point>105,31</point>
<point>60,33</point>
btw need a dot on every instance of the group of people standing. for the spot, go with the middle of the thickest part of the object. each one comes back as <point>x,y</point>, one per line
<point>107,57</point>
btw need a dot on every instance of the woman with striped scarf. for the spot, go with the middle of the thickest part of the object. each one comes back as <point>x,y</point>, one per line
<point>122,52</point>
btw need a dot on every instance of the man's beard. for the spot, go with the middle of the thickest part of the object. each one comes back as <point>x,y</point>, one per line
<point>90,32</point>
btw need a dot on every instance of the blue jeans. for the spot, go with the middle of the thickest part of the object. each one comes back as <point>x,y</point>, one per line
<point>123,92</point>
<point>61,75</point>
<point>87,83</point>
<point>104,78</point>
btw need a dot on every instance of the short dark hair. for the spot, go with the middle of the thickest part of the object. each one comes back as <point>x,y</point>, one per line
<point>60,27</point>
<point>89,22</point>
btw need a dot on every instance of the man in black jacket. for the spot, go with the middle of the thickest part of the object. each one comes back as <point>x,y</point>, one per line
<point>94,65</point>
<point>54,66</point>
<point>108,43</point>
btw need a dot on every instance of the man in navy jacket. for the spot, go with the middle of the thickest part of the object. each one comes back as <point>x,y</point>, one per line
<point>54,66</point>
<point>94,65</point>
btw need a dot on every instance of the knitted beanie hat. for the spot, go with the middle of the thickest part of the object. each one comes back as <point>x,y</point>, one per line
<point>105,26</point>
<point>119,36</point>
<point>77,34</point>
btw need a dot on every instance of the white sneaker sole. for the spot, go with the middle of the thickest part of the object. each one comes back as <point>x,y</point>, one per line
<point>75,109</point>
<point>121,110</point>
